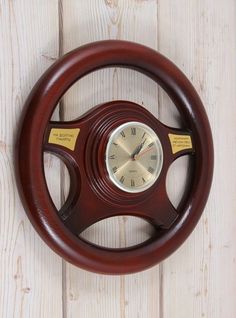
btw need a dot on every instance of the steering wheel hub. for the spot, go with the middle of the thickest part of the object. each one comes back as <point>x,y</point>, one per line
<point>117,155</point>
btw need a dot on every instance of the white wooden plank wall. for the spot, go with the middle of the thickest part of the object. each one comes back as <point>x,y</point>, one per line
<point>199,36</point>
<point>198,280</point>
<point>30,274</point>
<point>86,293</point>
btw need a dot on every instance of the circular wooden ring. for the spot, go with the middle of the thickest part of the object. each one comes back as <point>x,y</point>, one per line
<point>29,155</point>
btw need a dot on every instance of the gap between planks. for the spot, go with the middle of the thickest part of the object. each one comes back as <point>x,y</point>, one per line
<point>62,175</point>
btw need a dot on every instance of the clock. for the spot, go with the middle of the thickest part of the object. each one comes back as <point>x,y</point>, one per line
<point>134,157</point>
<point>118,155</point>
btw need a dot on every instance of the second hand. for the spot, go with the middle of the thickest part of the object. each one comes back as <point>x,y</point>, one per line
<point>142,153</point>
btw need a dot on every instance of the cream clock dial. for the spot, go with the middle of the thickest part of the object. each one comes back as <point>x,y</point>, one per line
<point>134,157</point>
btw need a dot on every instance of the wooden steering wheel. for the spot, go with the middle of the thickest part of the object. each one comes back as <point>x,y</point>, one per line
<point>118,155</point>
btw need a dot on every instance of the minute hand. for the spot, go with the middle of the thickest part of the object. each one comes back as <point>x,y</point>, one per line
<point>138,149</point>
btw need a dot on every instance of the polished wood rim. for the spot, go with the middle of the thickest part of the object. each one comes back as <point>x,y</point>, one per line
<point>56,229</point>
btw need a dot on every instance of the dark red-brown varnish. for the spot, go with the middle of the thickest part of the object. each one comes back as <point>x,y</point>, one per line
<point>92,195</point>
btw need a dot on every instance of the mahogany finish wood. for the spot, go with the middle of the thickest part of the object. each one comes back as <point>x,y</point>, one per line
<point>92,196</point>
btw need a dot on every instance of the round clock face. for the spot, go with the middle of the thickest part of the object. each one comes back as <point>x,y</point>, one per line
<point>134,157</point>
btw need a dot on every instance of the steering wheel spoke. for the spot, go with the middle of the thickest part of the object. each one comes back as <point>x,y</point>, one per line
<point>162,214</point>
<point>75,219</point>
<point>180,142</point>
<point>81,143</point>
<point>61,138</point>
<point>78,215</point>
<point>158,209</point>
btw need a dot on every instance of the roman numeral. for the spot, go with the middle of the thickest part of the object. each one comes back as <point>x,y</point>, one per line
<point>144,181</point>
<point>122,179</point>
<point>122,134</point>
<point>151,170</point>
<point>154,157</point>
<point>112,157</point>
<point>132,183</point>
<point>133,131</point>
<point>114,169</point>
<point>151,144</point>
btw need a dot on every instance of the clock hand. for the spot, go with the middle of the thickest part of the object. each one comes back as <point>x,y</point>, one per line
<point>142,153</point>
<point>138,149</point>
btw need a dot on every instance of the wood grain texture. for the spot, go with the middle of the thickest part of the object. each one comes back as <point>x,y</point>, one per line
<point>30,273</point>
<point>199,36</point>
<point>89,294</point>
